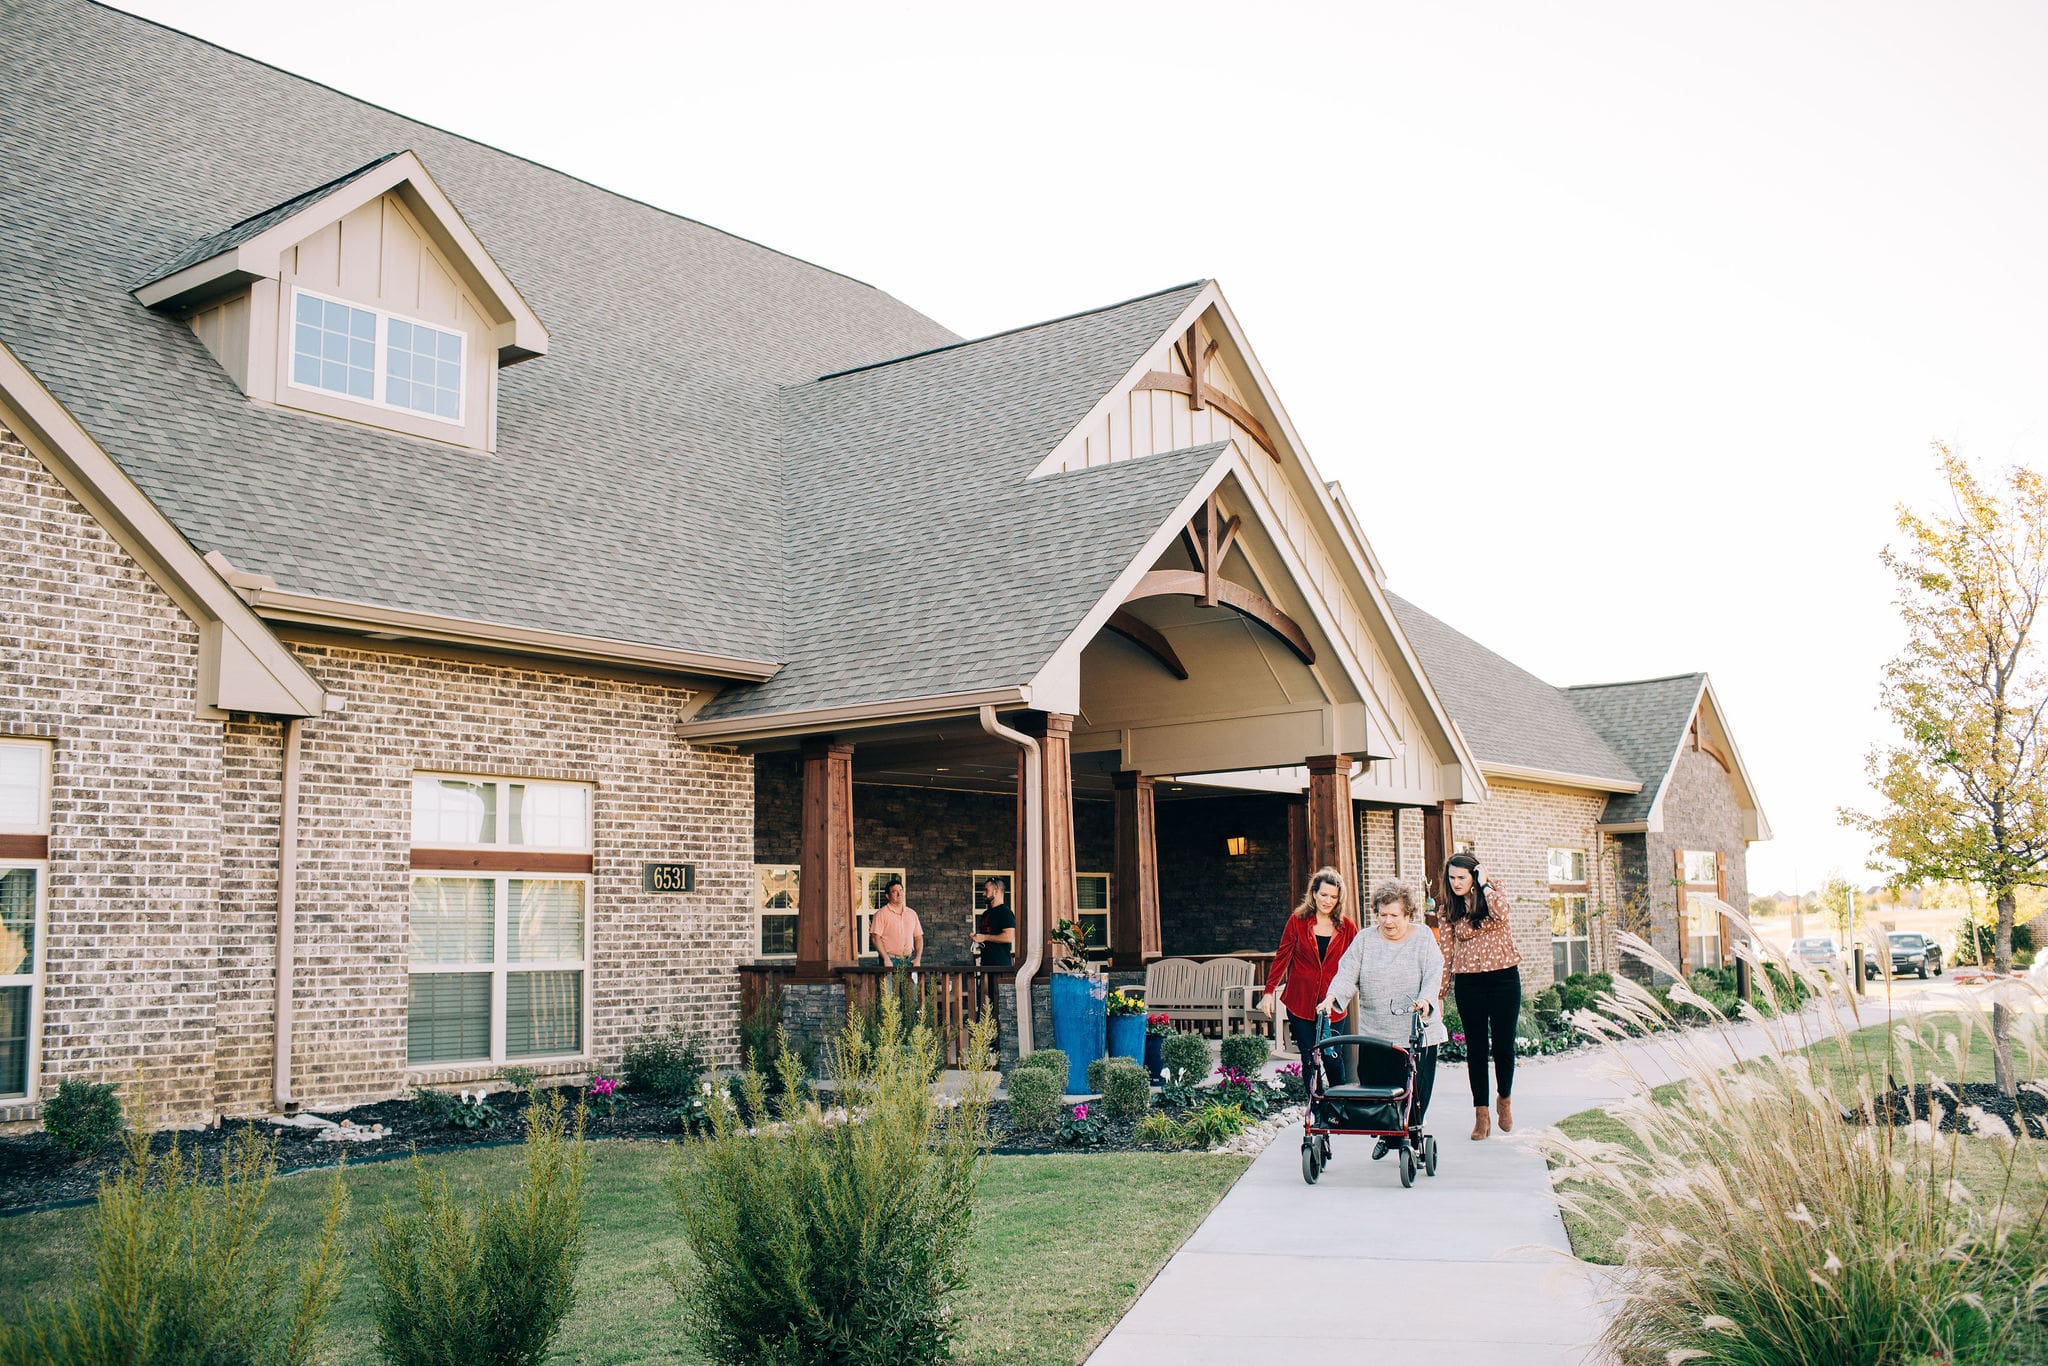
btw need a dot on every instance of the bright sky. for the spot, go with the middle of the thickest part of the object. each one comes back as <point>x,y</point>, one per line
<point>1665,303</point>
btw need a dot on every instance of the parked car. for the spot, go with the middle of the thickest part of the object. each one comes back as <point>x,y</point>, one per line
<point>1911,952</point>
<point>1818,951</point>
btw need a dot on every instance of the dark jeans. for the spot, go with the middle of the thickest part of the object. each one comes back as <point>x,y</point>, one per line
<point>1488,1003</point>
<point>1335,1063</point>
<point>1425,1083</point>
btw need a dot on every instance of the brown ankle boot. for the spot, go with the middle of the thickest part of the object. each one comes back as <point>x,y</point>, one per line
<point>1482,1123</point>
<point>1507,1115</point>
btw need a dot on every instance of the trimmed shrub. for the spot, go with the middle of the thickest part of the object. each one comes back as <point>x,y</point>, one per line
<point>830,1238</point>
<point>1052,1060</point>
<point>1547,1006</point>
<point>1187,1053</point>
<point>1246,1053</point>
<point>83,1117</point>
<point>669,1064</point>
<point>1126,1090</point>
<point>454,1288</point>
<point>1034,1098</point>
<point>179,1271</point>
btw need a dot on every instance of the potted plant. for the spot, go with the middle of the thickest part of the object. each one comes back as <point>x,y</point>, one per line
<point>1158,1029</point>
<point>1080,1002</point>
<point>1126,1013</point>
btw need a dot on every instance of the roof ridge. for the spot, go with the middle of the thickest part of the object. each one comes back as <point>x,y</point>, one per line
<point>1006,332</point>
<point>305,198</point>
<point>479,142</point>
<point>1632,682</point>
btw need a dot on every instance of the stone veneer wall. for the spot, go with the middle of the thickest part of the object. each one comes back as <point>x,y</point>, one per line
<point>1701,811</point>
<point>102,663</point>
<point>1209,901</point>
<point>656,958</point>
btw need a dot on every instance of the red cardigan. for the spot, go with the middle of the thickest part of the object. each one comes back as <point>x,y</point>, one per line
<point>1304,981</point>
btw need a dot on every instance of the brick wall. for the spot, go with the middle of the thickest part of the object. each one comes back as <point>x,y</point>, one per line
<point>1701,811</point>
<point>1512,833</point>
<point>101,662</point>
<point>655,958</point>
<point>1209,901</point>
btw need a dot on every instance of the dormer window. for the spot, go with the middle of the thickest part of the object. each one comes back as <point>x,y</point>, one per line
<point>378,357</point>
<point>366,299</point>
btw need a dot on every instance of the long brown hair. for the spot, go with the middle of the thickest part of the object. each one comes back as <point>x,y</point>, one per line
<point>1307,909</point>
<point>1471,906</point>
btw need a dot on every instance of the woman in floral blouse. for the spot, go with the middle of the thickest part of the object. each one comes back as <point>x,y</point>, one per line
<point>1484,968</point>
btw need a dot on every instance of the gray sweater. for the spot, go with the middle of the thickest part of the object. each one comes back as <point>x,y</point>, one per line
<point>1388,979</point>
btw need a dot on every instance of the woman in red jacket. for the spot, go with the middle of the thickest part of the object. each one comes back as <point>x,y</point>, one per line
<point>1316,936</point>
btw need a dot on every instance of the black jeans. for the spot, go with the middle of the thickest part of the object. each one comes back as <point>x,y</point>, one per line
<point>1335,1061</point>
<point>1488,1003</point>
<point>1425,1083</point>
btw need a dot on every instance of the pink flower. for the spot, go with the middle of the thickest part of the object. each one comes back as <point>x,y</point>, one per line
<point>603,1086</point>
<point>1080,1112</point>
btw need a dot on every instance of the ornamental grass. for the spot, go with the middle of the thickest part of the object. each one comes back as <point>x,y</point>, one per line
<point>837,1236</point>
<point>1774,1210</point>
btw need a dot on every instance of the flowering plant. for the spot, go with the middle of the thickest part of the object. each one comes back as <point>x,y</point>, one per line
<point>1122,1002</point>
<point>1178,1092</point>
<point>1236,1088</point>
<point>1159,1025</point>
<point>1079,1131</point>
<point>695,1115</point>
<point>603,1096</point>
<point>1293,1084</point>
<point>474,1112</point>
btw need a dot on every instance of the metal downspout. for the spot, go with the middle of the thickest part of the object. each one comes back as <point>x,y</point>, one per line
<point>287,913</point>
<point>1034,870</point>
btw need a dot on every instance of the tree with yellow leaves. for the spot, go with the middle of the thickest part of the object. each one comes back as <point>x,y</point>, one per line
<point>1965,790</point>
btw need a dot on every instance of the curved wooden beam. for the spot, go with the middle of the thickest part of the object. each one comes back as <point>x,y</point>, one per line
<point>1168,583</point>
<point>1146,637</point>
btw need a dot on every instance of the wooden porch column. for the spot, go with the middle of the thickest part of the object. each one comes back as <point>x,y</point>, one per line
<point>1298,866</point>
<point>1438,840</point>
<point>1134,929</point>
<point>1054,732</point>
<point>1332,823</point>
<point>825,922</point>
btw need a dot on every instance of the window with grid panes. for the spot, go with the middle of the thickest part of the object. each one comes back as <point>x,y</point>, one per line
<point>776,889</point>
<point>24,810</point>
<point>1571,945</point>
<point>1091,900</point>
<point>1702,918</point>
<point>376,357</point>
<point>499,961</point>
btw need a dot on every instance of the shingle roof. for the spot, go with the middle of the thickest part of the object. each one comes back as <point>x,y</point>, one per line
<point>206,248</point>
<point>916,473</point>
<point>1645,722</point>
<point>636,492</point>
<point>1508,715</point>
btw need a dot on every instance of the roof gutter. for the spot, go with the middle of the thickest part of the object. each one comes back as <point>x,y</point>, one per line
<point>1516,773</point>
<point>1034,870</point>
<point>855,717</point>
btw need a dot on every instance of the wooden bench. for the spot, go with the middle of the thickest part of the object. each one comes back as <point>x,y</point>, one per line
<point>1197,993</point>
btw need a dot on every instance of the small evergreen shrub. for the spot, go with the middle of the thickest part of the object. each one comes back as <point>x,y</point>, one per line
<point>1213,1124</point>
<point>1051,1059</point>
<point>837,1237</point>
<point>453,1288</point>
<point>1126,1090</point>
<point>521,1078</point>
<point>1547,1006</point>
<point>179,1271</point>
<point>1246,1053</point>
<point>668,1064</point>
<point>1187,1053</point>
<point>83,1117</point>
<point>1034,1098</point>
<point>1099,1070</point>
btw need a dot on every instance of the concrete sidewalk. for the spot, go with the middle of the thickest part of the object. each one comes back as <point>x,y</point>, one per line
<point>1471,1267</point>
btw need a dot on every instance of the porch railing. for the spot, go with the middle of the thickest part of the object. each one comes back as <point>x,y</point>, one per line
<point>956,995</point>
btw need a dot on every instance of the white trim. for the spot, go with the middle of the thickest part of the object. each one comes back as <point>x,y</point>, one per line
<point>33,980</point>
<point>859,716</point>
<point>761,912</point>
<point>45,749</point>
<point>1108,911</point>
<point>501,967</point>
<point>1760,829</point>
<point>864,915</point>
<point>380,375</point>
<point>1556,778</point>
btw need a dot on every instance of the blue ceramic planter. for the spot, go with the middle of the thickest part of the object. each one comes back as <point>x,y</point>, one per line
<point>1127,1038</point>
<point>1080,1011</point>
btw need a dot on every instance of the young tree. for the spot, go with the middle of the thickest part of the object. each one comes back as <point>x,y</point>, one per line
<point>1965,791</point>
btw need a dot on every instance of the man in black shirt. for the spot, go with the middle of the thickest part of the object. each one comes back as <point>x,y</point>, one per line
<point>995,929</point>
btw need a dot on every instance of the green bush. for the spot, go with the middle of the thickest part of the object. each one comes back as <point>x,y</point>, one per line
<point>668,1064</point>
<point>1052,1060</point>
<point>1098,1072</point>
<point>1582,991</point>
<point>83,1117</point>
<point>833,1240</point>
<point>1246,1053</point>
<point>1126,1090</point>
<point>1034,1098</point>
<point>178,1271</point>
<point>1547,1006</point>
<point>452,1288</point>
<point>1164,1131</point>
<point>1189,1054</point>
<point>1213,1124</point>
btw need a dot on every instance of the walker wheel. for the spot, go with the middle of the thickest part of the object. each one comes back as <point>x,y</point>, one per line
<point>1429,1155</point>
<point>1310,1168</point>
<point>1407,1167</point>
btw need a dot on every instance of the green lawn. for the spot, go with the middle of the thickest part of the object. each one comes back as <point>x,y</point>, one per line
<point>1065,1244</point>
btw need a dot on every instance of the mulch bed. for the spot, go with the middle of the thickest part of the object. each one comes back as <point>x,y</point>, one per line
<point>35,1173</point>
<point>1897,1106</point>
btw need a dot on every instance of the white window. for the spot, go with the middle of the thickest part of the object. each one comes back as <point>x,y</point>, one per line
<point>1568,866</point>
<point>376,357</point>
<point>24,812</point>
<point>1702,919</point>
<point>1461,846</point>
<point>871,892</point>
<point>776,885</point>
<point>1702,868</point>
<point>1571,945</point>
<point>499,962</point>
<point>1091,899</point>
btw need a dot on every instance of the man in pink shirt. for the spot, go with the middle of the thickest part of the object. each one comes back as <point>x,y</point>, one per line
<point>895,932</point>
